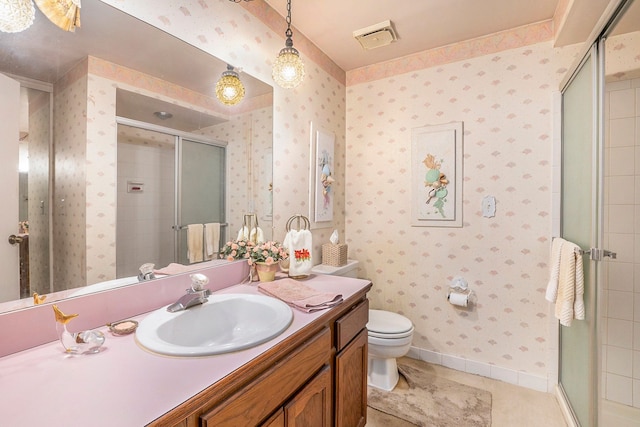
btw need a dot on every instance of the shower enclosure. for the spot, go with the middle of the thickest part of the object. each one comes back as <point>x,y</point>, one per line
<point>166,180</point>
<point>599,362</point>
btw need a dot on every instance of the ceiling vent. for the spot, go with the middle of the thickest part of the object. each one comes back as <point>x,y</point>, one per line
<point>375,36</point>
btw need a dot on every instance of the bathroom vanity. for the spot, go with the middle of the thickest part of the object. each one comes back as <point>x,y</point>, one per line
<point>313,374</point>
<point>316,377</point>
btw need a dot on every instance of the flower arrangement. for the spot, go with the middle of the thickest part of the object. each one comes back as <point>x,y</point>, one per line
<point>236,249</point>
<point>268,252</point>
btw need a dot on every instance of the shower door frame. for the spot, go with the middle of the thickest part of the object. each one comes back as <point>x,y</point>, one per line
<point>179,136</point>
<point>596,50</point>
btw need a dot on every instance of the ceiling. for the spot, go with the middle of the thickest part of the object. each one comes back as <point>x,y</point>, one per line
<point>419,24</point>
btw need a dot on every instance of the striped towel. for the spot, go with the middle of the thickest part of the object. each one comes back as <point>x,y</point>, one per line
<point>570,291</point>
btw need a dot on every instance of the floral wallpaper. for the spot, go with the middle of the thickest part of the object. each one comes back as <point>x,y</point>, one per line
<point>70,134</point>
<point>505,102</point>
<point>249,136</point>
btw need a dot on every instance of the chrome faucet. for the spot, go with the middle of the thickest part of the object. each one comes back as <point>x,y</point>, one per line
<point>146,272</point>
<point>196,295</point>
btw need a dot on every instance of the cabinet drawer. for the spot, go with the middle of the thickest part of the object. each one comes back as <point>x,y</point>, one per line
<point>349,325</point>
<point>253,403</point>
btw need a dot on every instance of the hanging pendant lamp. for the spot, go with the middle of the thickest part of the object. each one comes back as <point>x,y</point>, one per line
<point>229,89</point>
<point>16,15</point>
<point>63,13</point>
<point>288,70</point>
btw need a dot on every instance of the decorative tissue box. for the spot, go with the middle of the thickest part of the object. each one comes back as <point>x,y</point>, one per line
<point>334,255</point>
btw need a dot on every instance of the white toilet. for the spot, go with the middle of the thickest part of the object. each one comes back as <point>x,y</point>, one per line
<point>390,335</point>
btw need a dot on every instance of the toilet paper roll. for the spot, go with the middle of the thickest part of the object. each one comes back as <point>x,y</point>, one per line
<point>461,300</point>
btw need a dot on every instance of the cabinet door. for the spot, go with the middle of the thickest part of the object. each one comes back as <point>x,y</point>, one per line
<point>276,420</point>
<point>351,383</point>
<point>311,407</point>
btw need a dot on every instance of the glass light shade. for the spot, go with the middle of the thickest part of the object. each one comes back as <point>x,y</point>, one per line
<point>229,89</point>
<point>16,15</point>
<point>288,70</point>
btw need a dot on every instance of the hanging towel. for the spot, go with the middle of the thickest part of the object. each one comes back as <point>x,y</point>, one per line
<point>211,240</point>
<point>554,263</point>
<point>243,234</point>
<point>300,296</point>
<point>570,292</point>
<point>299,243</point>
<point>194,242</point>
<point>256,234</point>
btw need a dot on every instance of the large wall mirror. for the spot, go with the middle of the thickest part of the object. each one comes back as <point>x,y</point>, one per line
<point>113,143</point>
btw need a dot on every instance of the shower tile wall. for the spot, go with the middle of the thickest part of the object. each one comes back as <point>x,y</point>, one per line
<point>621,291</point>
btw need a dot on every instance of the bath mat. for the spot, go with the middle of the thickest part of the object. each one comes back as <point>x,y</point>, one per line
<point>429,401</point>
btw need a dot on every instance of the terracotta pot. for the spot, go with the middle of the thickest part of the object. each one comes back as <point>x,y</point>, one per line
<point>266,272</point>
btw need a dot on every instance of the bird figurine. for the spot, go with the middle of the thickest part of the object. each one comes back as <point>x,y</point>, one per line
<point>38,299</point>
<point>61,317</point>
<point>85,342</point>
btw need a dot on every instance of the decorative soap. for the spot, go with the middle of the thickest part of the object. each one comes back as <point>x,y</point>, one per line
<point>123,327</point>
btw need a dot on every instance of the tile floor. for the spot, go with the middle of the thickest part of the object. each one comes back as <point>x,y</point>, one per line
<point>511,405</point>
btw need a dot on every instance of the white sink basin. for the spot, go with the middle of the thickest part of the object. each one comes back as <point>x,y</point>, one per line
<point>225,323</point>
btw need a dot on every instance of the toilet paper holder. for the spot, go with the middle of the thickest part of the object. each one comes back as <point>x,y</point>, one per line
<point>459,293</point>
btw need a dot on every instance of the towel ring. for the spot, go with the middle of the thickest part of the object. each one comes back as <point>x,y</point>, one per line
<point>301,221</point>
<point>249,219</point>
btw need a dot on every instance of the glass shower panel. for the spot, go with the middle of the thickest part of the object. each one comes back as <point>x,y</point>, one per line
<point>202,188</point>
<point>146,199</point>
<point>577,351</point>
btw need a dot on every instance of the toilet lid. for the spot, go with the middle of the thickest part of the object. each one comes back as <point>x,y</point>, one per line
<point>386,322</point>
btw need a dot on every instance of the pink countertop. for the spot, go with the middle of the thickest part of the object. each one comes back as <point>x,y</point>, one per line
<point>125,385</point>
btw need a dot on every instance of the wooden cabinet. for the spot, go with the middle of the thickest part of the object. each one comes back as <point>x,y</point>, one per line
<point>351,368</point>
<point>311,407</point>
<point>317,377</point>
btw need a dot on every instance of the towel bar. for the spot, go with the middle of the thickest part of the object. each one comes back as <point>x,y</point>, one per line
<point>597,254</point>
<point>184,227</point>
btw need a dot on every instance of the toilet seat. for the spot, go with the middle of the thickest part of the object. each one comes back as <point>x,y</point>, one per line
<point>385,324</point>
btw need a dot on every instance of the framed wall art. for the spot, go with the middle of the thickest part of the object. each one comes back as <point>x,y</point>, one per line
<point>436,175</point>
<point>321,178</point>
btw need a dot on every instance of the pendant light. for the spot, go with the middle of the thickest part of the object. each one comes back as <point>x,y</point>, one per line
<point>16,15</point>
<point>288,70</point>
<point>229,89</point>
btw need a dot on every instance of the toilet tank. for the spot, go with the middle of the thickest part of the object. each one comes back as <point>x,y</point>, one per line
<point>350,269</point>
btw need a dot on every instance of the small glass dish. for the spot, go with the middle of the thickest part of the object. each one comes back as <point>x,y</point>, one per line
<point>123,327</point>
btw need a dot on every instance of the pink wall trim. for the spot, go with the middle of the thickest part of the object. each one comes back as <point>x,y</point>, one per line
<point>140,80</point>
<point>504,40</point>
<point>277,23</point>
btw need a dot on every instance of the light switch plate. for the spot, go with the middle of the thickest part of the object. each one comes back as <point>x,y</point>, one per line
<point>489,207</point>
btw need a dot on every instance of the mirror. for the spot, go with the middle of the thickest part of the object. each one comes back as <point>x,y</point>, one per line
<point>114,68</point>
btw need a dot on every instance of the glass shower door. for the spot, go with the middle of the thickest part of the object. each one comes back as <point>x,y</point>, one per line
<point>202,186</point>
<point>579,224</point>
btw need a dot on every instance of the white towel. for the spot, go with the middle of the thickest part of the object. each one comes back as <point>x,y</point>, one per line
<point>570,289</point>
<point>299,244</point>
<point>194,242</point>
<point>554,263</point>
<point>211,239</point>
<point>243,234</point>
<point>255,235</point>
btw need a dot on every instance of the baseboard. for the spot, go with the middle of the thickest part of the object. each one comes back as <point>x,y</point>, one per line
<point>617,414</point>
<point>523,379</point>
